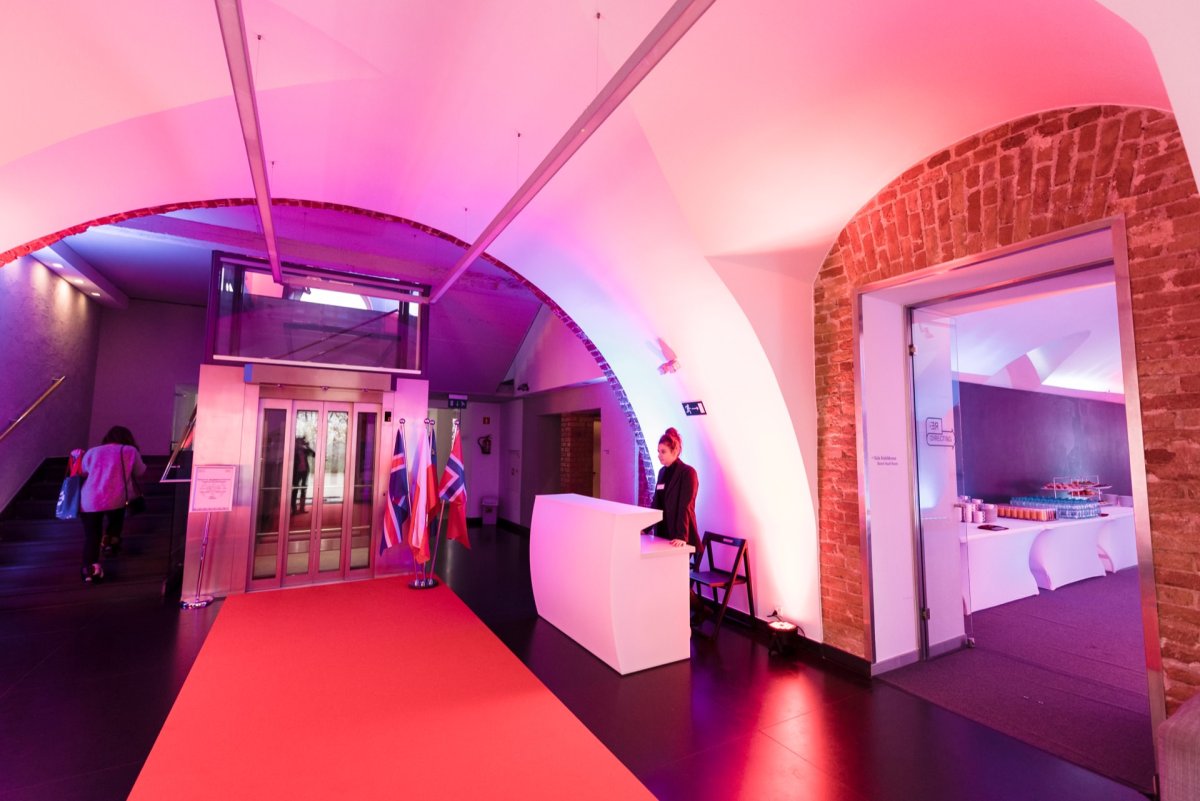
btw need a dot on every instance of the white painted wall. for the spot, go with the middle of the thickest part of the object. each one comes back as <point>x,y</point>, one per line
<point>483,471</point>
<point>48,329</point>
<point>540,429</point>
<point>883,371</point>
<point>508,448</point>
<point>551,356</point>
<point>777,298</point>
<point>144,352</point>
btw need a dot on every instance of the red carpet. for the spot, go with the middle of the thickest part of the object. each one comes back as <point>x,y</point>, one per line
<point>369,690</point>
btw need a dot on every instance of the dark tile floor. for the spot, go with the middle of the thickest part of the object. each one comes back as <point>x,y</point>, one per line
<point>85,687</point>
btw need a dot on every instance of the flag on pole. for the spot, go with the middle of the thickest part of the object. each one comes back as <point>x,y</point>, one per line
<point>418,528</point>
<point>453,493</point>
<point>431,481</point>
<point>397,505</point>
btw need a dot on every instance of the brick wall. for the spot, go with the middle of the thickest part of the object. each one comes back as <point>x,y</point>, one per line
<point>1030,177</point>
<point>575,457</point>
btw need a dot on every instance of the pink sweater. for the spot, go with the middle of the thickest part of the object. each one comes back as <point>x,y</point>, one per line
<point>107,467</point>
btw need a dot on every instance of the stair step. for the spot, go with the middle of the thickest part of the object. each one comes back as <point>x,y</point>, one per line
<point>15,580</point>
<point>39,554</point>
<point>44,509</point>
<point>59,552</point>
<point>25,530</point>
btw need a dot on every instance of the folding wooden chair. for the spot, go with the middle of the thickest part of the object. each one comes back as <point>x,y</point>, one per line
<point>720,580</point>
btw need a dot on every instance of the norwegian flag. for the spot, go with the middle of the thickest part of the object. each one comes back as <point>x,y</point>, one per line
<point>453,494</point>
<point>397,505</point>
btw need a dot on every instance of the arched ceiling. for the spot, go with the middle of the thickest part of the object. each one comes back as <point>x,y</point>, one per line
<point>771,122</point>
<point>748,146</point>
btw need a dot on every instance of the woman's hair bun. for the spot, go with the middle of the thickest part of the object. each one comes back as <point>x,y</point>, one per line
<point>671,439</point>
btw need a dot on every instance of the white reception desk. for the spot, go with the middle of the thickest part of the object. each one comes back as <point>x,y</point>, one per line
<point>620,594</point>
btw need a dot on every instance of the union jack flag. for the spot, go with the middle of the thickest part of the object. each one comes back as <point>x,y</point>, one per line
<point>397,506</point>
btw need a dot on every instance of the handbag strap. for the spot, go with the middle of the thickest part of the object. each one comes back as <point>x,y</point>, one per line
<point>124,475</point>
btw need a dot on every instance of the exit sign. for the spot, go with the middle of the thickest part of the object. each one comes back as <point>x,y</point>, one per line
<point>693,407</point>
<point>458,401</point>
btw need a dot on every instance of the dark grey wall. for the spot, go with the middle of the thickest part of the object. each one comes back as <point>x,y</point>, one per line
<point>48,329</point>
<point>1011,441</point>
<point>541,438</point>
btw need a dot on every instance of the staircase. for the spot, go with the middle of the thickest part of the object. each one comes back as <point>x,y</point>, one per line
<point>40,555</point>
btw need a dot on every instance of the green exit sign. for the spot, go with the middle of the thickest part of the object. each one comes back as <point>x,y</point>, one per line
<point>693,407</point>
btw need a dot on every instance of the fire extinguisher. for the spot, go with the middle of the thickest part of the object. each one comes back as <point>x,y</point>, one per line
<point>485,444</point>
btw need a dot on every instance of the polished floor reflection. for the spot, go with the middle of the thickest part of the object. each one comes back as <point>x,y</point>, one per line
<point>735,722</point>
<point>85,687</point>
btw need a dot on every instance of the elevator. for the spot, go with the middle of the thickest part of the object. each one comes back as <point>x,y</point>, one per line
<point>315,468</point>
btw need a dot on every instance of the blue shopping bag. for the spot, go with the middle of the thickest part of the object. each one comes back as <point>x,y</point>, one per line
<point>67,507</point>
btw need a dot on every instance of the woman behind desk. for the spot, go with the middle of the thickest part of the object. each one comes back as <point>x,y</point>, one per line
<point>675,494</point>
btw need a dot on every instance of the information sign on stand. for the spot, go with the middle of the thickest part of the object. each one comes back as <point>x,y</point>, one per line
<point>212,487</point>
<point>212,491</point>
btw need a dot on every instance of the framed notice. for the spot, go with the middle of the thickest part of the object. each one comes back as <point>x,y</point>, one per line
<point>212,487</point>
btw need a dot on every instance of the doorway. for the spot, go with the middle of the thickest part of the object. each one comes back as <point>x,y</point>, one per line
<point>983,606</point>
<point>315,470</point>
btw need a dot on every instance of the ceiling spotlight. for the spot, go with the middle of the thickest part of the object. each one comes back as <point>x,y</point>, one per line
<point>95,294</point>
<point>77,281</point>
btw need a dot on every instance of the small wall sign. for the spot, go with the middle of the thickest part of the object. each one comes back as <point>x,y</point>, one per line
<point>693,407</point>
<point>457,401</point>
<point>936,434</point>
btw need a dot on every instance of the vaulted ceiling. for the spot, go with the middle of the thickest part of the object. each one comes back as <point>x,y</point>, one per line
<point>694,215</point>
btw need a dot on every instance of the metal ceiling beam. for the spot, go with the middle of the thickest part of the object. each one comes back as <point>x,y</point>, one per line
<point>666,34</point>
<point>237,54</point>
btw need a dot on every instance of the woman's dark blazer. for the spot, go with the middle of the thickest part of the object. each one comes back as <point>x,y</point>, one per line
<point>677,500</point>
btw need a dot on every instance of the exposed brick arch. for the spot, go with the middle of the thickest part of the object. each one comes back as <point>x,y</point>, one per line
<point>645,466</point>
<point>1033,176</point>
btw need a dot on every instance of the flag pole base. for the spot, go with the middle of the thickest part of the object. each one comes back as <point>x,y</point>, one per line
<point>199,602</point>
<point>423,583</point>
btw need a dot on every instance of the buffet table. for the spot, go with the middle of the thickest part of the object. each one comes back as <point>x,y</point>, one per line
<point>620,594</point>
<point>998,564</point>
<point>1005,566</point>
<point>1118,541</point>
<point>1067,551</point>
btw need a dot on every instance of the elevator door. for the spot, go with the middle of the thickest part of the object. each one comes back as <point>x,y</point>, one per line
<point>314,480</point>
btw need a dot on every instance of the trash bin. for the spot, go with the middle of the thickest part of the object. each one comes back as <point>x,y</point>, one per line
<point>490,506</point>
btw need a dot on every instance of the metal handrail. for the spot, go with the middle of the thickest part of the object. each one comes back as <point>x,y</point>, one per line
<point>16,421</point>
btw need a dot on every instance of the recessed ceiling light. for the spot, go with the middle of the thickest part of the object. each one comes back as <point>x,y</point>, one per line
<point>95,294</point>
<point>56,265</point>
<point>76,281</point>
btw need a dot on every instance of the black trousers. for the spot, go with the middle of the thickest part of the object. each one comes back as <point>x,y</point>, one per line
<point>94,529</point>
